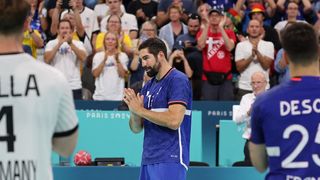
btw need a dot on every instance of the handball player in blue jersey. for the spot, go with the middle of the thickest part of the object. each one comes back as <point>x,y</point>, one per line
<point>163,110</point>
<point>285,120</point>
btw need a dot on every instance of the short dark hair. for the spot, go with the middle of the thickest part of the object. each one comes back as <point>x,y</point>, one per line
<point>154,45</point>
<point>300,42</point>
<point>13,14</point>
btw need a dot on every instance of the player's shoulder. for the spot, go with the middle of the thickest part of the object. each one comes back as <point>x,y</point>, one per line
<point>178,79</point>
<point>178,74</point>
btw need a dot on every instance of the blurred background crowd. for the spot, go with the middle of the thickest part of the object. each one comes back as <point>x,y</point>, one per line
<point>218,44</point>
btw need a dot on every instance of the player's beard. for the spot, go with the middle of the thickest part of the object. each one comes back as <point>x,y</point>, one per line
<point>153,71</point>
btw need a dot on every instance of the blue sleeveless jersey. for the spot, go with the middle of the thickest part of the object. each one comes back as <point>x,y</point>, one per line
<point>162,144</point>
<point>287,120</point>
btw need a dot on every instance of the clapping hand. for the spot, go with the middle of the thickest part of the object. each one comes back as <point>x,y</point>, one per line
<point>223,21</point>
<point>133,100</point>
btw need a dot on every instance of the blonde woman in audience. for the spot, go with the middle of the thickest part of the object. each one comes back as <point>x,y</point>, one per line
<point>114,26</point>
<point>109,68</point>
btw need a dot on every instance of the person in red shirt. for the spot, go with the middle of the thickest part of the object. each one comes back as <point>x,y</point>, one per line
<point>216,44</point>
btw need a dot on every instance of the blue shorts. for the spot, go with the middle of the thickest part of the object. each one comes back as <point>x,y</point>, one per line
<point>163,171</point>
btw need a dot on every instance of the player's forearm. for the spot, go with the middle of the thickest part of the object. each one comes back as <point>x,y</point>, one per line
<point>135,123</point>
<point>258,156</point>
<point>65,145</point>
<point>167,119</point>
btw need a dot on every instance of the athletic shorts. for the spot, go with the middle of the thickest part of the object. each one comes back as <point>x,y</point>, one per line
<point>163,171</point>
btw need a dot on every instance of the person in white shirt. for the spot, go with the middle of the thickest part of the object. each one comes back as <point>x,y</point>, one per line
<point>109,68</point>
<point>251,55</point>
<point>102,10</point>
<point>66,54</point>
<point>129,22</point>
<point>90,23</point>
<point>37,113</point>
<point>87,26</point>
<point>243,114</point>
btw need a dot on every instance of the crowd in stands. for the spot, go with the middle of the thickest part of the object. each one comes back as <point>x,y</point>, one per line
<point>218,44</point>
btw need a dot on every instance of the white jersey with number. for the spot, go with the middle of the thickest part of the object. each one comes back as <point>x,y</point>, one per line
<point>35,105</point>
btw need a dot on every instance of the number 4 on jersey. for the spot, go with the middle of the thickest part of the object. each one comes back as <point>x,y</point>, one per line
<point>7,112</point>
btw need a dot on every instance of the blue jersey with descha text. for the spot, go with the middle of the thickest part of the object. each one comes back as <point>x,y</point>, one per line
<point>161,144</point>
<point>287,120</point>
